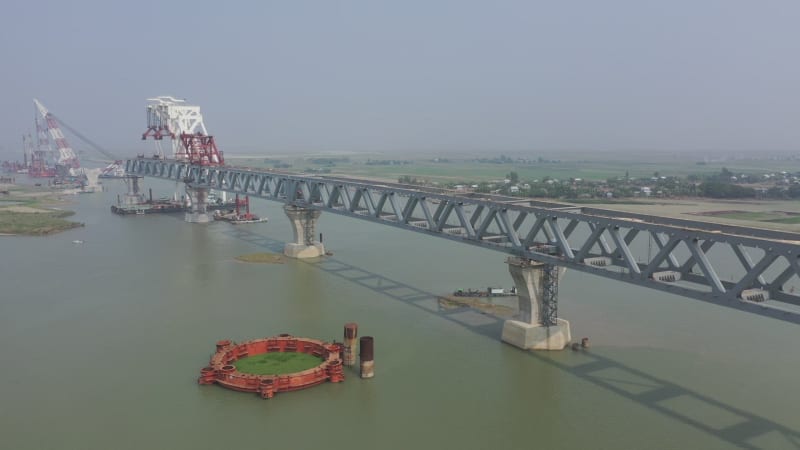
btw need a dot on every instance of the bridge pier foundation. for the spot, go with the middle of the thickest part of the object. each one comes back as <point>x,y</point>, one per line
<point>304,227</point>
<point>529,331</point>
<point>198,210</point>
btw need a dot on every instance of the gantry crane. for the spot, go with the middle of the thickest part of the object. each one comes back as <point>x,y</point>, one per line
<point>183,124</point>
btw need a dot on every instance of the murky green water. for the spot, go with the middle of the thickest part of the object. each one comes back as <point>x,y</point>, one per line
<point>102,343</point>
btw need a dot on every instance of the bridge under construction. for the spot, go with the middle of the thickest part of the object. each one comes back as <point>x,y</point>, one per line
<point>542,239</point>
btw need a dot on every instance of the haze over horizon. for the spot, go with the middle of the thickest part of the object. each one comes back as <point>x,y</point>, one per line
<point>439,76</point>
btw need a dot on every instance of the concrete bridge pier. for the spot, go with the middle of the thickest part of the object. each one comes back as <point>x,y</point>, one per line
<point>198,212</point>
<point>133,196</point>
<point>529,330</point>
<point>304,226</point>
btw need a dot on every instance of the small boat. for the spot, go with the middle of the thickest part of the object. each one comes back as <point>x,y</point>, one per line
<point>77,241</point>
<point>489,292</point>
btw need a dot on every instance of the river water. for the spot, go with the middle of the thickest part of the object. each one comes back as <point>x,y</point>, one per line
<point>102,343</point>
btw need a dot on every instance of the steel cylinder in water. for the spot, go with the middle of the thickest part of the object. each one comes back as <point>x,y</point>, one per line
<point>367,355</point>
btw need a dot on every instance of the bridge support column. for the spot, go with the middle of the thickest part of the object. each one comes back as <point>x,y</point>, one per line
<point>535,328</point>
<point>304,226</point>
<point>198,212</point>
<point>133,196</point>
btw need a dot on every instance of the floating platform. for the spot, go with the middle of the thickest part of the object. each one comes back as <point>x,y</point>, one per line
<point>251,220</point>
<point>236,215</point>
<point>159,207</point>
<point>238,219</point>
<point>147,208</point>
<point>221,369</point>
<point>489,292</point>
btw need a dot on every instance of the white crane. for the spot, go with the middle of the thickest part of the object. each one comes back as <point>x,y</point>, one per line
<point>183,124</point>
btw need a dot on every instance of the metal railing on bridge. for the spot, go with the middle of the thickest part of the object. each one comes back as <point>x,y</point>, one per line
<point>680,256</point>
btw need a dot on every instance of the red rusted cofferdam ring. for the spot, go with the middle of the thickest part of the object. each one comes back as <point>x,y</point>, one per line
<point>222,371</point>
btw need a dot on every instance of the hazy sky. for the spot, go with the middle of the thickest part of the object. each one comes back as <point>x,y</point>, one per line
<point>280,76</point>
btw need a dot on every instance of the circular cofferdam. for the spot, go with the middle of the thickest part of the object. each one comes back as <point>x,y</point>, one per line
<point>274,364</point>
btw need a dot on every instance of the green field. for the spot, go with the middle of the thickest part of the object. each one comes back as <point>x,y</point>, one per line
<point>747,215</point>
<point>760,216</point>
<point>277,363</point>
<point>464,169</point>
<point>789,220</point>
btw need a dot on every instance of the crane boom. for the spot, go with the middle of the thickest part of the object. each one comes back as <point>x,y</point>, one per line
<point>66,156</point>
<point>98,148</point>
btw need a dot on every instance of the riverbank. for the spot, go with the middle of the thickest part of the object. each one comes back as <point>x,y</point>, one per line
<point>31,212</point>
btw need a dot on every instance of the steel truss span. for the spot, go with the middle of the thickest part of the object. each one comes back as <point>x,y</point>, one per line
<point>683,257</point>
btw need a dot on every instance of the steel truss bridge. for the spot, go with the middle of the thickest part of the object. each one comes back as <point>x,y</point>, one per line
<point>759,267</point>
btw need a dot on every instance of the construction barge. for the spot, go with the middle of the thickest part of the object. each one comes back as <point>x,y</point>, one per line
<point>160,206</point>
<point>155,207</point>
<point>135,204</point>
<point>489,292</point>
<point>236,216</point>
<point>222,370</point>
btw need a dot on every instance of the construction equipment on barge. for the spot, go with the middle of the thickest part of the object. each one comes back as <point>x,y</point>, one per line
<point>181,123</point>
<point>133,202</point>
<point>59,164</point>
<point>236,216</point>
<point>39,158</point>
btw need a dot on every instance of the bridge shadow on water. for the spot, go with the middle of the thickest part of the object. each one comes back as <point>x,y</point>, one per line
<point>728,423</point>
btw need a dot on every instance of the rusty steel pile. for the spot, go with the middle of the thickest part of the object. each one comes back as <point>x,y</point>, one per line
<point>366,352</point>
<point>367,356</point>
<point>350,334</point>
